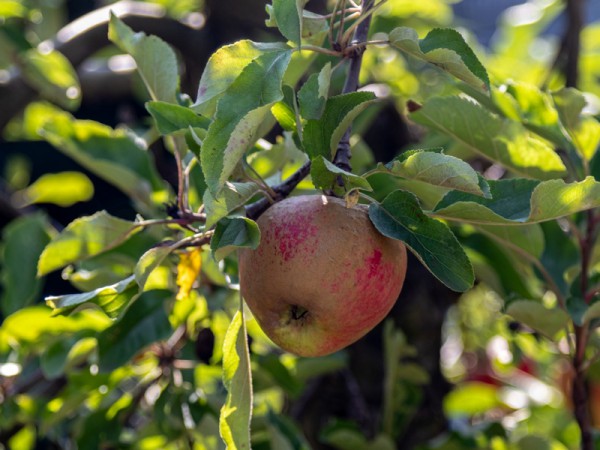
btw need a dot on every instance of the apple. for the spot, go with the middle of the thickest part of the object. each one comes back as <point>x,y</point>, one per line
<point>322,276</point>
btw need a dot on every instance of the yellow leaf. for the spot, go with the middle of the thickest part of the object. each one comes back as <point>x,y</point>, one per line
<point>188,270</point>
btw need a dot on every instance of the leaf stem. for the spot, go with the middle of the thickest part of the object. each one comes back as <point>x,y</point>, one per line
<point>325,51</point>
<point>368,12</point>
<point>341,25</point>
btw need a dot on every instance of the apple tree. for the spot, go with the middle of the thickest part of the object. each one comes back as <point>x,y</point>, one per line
<point>482,163</point>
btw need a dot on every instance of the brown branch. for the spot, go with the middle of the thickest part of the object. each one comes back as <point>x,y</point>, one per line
<point>579,392</point>
<point>342,157</point>
<point>254,210</point>
<point>343,153</point>
<point>572,47</point>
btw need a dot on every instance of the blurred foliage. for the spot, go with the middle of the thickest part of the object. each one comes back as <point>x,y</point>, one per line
<point>152,378</point>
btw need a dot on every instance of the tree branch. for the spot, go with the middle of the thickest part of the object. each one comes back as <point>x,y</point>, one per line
<point>573,42</point>
<point>343,155</point>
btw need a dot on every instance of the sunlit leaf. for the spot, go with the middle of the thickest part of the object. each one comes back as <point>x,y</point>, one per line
<point>438,169</point>
<point>156,61</point>
<point>583,130</point>
<point>9,8</point>
<point>471,398</point>
<point>63,189</point>
<point>322,136</point>
<point>112,300</point>
<point>224,67</point>
<point>149,262</point>
<point>234,422</point>
<point>445,48</point>
<point>113,155</point>
<point>83,238</point>
<point>240,113</point>
<point>284,111</point>
<point>520,201</point>
<point>495,138</point>
<point>233,233</point>
<point>399,216</point>
<point>53,76</point>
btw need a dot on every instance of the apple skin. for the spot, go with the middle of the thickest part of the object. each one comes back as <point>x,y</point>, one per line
<point>322,276</point>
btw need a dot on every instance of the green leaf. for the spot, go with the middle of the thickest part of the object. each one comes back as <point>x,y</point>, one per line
<point>520,201</point>
<point>113,155</point>
<point>471,398</point>
<point>529,238</point>
<point>53,76</point>
<point>232,233</point>
<point>313,94</point>
<point>314,27</point>
<point>156,61</point>
<point>534,107</point>
<point>224,67</point>
<point>66,352</point>
<point>437,169</point>
<point>144,323</point>
<point>240,113</point>
<point>284,111</point>
<point>325,175</point>
<point>537,316</point>
<point>560,254</point>
<point>231,197</point>
<point>62,189</point>
<point>500,140</point>
<point>494,264</point>
<point>9,8</point>
<point>234,422</point>
<point>288,15</point>
<point>24,240</point>
<point>83,238</point>
<point>279,374</point>
<point>170,118</point>
<point>149,261</point>
<point>322,136</point>
<point>576,307</point>
<point>592,313</point>
<point>112,300</point>
<point>583,130</point>
<point>399,216</point>
<point>285,435</point>
<point>533,442</point>
<point>345,435</point>
<point>445,48</point>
